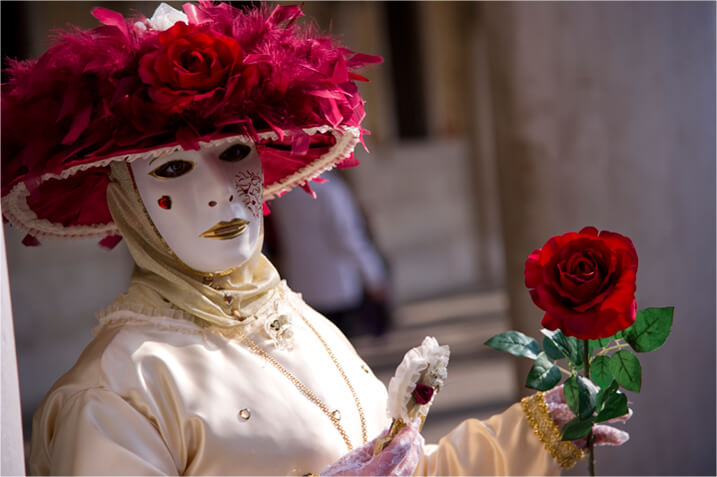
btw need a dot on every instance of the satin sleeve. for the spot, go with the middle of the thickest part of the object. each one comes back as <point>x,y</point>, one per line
<point>505,444</point>
<point>96,432</point>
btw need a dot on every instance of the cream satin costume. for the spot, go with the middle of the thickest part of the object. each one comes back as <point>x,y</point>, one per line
<point>236,375</point>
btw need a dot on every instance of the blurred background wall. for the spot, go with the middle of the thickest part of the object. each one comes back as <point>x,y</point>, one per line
<point>494,126</point>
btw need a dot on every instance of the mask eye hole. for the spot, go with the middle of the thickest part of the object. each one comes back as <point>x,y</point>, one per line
<point>173,169</point>
<point>235,153</point>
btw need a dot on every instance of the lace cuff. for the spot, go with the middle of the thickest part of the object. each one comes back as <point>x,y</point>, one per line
<point>536,412</point>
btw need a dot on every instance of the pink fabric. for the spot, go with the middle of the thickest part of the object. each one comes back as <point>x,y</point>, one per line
<point>400,457</point>
<point>604,435</point>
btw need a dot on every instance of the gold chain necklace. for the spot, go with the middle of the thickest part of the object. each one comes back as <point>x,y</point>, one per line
<point>333,416</point>
<point>362,418</point>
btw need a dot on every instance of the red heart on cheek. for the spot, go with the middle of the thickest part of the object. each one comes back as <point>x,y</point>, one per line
<point>165,202</point>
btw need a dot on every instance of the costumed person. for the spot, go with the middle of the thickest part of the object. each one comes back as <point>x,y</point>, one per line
<point>170,132</point>
<point>325,254</point>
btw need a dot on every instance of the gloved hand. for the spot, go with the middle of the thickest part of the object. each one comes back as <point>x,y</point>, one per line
<point>604,435</point>
<point>400,457</point>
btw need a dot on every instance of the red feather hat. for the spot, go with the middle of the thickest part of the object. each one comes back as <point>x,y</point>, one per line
<point>145,87</point>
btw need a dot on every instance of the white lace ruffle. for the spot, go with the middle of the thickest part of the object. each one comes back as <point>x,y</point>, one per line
<point>20,215</point>
<point>425,364</point>
<point>346,141</point>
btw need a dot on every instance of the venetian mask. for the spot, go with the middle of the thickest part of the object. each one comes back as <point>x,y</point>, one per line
<point>205,204</point>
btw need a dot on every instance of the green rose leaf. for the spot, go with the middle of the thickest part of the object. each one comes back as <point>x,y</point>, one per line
<point>570,388</point>
<point>544,374</point>
<point>626,369</point>
<point>651,329</point>
<point>569,347</point>
<point>615,405</point>
<point>552,350</point>
<point>515,343</point>
<point>577,348</point>
<point>605,391</point>
<point>580,395</point>
<point>577,351</point>
<point>576,429</point>
<point>600,371</point>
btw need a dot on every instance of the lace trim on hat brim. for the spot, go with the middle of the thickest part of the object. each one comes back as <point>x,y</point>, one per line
<point>20,215</point>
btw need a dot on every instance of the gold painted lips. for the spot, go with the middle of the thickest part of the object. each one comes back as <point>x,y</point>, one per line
<point>226,230</point>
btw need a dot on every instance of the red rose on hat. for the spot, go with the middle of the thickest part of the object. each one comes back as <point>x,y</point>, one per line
<point>585,282</point>
<point>190,63</point>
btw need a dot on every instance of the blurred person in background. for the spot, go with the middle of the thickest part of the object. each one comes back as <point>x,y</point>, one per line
<point>326,253</point>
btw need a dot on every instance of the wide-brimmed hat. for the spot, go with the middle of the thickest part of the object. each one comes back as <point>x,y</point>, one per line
<point>137,88</point>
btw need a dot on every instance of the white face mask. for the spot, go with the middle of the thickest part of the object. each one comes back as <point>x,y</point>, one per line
<point>206,204</point>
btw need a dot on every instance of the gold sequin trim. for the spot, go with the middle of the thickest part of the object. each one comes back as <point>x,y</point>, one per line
<point>536,412</point>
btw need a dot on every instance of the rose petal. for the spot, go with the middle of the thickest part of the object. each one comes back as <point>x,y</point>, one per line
<point>571,323</point>
<point>533,270</point>
<point>550,322</point>
<point>590,230</point>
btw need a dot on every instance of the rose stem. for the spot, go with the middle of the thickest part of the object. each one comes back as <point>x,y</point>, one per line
<point>591,454</point>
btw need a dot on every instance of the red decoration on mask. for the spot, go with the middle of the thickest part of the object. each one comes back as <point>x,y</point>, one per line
<point>248,183</point>
<point>165,202</point>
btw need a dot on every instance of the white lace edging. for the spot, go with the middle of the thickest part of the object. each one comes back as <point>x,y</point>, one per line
<point>20,215</point>
<point>345,144</point>
<point>110,312</point>
<point>175,321</point>
<point>124,315</point>
<point>418,362</point>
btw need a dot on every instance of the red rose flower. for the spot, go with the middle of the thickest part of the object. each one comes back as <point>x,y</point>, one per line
<point>422,393</point>
<point>585,282</point>
<point>189,64</point>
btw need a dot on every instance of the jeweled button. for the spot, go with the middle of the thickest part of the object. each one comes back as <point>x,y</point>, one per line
<point>245,414</point>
